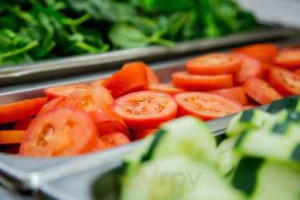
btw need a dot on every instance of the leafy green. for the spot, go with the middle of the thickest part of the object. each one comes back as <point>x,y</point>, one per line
<point>33,30</point>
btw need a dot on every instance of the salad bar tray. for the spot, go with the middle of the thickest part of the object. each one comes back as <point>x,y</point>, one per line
<point>28,174</point>
<point>102,62</point>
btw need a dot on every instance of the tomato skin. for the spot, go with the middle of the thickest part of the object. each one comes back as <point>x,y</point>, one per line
<point>201,82</point>
<point>165,88</point>
<point>288,58</point>
<point>23,124</point>
<point>95,98</point>
<point>261,91</point>
<point>64,91</point>
<point>205,106</point>
<point>251,68</point>
<point>145,109</point>
<point>130,78</point>
<point>214,64</point>
<point>11,137</point>
<point>141,134</point>
<point>59,133</point>
<point>108,122</point>
<point>21,110</point>
<point>264,52</point>
<point>51,105</point>
<point>297,71</point>
<point>98,82</point>
<point>100,145</point>
<point>151,76</point>
<point>236,94</point>
<point>285,82</point>
<point>114,139</point>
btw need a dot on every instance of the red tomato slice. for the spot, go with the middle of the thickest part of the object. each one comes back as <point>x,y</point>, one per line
<point>201,82</point>
<point>214,64</point>
<point>61,132</point>
<point>93,99</point>
<point>141,134</point>
<point>284,81</point>
<point>114,140</point>
<point>23,124</point>
<point>12,149</point>
<point>297,71</point>
<point>260,91</point>
<point>130,78</point>
<point>206,106</point>
<point>51,105</point>
<point>146,109</point>
<point>288,58</point>
<point>247,107</point>
<point>236,94</point>
<point>151,76</point>
<point>263,52</point>
<point>64,91</point>
<point>11,137</point>
<point>21,110</point>
<point>251,68</point>
<point>98,82</point>
<point>165,88</point>
<point>108,122</point>
<point>100,145</point>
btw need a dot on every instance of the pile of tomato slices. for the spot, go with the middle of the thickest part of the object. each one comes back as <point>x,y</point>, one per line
<point>132,103</point>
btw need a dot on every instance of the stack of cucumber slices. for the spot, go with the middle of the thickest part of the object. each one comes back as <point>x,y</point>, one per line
<point>259,159</point>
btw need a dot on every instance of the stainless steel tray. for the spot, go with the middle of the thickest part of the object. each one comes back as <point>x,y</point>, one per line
<point>100,62</point>
<point>28,174</point>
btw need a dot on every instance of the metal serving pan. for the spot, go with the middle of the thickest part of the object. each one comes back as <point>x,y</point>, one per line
<point>100,62</point>
<point>28,173</point>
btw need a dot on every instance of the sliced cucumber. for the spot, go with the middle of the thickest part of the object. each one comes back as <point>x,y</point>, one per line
<point>177,177</point>
<point>261,143</point>
<point>247,120</point>
<point>277,181</point>
<point>291,103</point>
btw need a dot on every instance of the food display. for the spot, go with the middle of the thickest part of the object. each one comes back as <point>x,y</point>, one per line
<point>35,30</point>
<point>259,159</point>
<point>132,103</point>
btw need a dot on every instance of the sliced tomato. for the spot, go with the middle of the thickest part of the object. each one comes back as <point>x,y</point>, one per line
<point>284,81</point>
<point>251,68</point>
<point>151,76</point>
<point>101,145</point>
<point>11,137</point>
<point>297,71</point>
<point>51,105</point>
<point>60,132</point>
<point>235,93</point>
<point>260,91</point>
<point>250,106</point>
<point>64,91</point>
<point>165,88</point>
<point>141,134</point>
<point>288,58</point>
<point>264,52</point>
<point>130,78</point>
<point>115,139</point>
<point>93,99</point>
<point>21,110</point>
<point>206,106</point>
<point>98,82</point>
<point>146,109</point>
<point>188,81</point>
<point>108,121</point>
<point>23,124</point>
<point>12,149</point>
<point>214,64</point>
